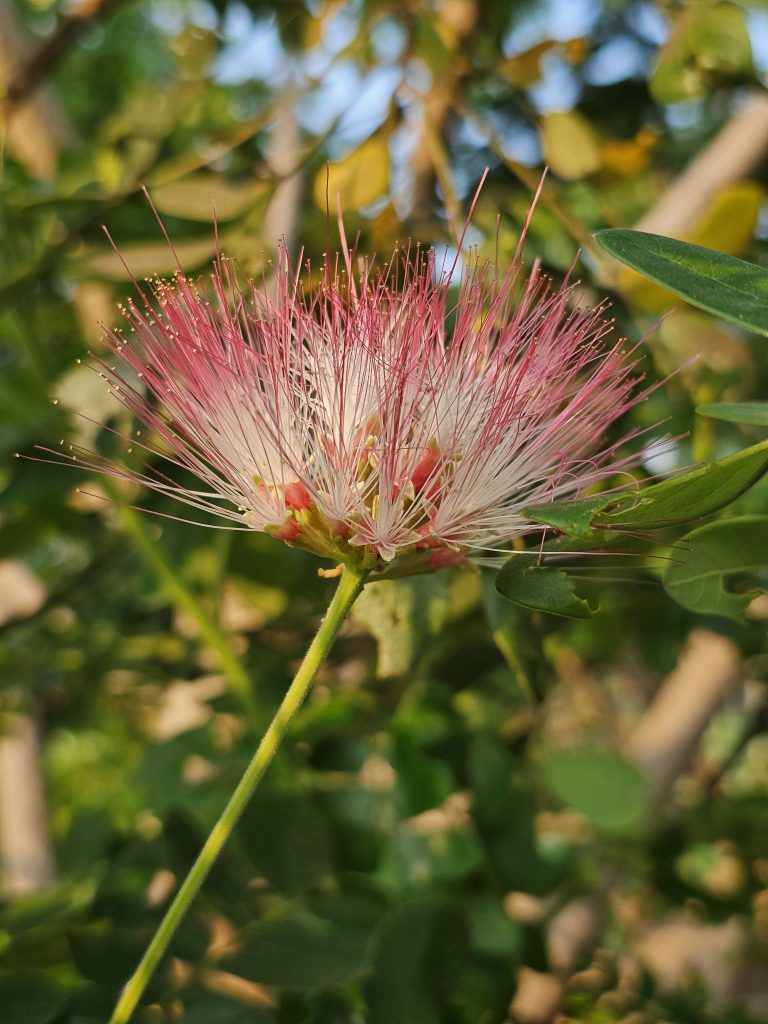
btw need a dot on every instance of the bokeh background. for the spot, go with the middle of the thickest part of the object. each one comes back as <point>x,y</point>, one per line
<point>483,815</point>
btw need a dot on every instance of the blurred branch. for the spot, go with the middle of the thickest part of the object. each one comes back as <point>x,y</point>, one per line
<point>45,60</point>
<point>736,149</point>
<point>25,849</point>
<point>285,162</point>
<point>442,164</point>
<point>38,127</point>
<point>666,735</point>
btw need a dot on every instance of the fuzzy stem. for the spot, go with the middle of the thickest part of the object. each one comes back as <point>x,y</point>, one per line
<point>350,585</point>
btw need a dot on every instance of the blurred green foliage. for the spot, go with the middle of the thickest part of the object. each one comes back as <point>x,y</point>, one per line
<point>460,829</point>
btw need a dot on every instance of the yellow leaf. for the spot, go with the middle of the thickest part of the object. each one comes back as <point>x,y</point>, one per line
<point>693,344</point>
<point>570,145</point>
<point>359,179</point>
<point>575,50</point>
<point>525,69</point>
<point>730,220</point>
<point>626,158</point>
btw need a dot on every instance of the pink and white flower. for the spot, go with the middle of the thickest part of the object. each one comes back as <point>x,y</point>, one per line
<point>375,413</point>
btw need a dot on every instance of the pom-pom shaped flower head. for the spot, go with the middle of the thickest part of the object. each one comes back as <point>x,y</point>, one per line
<point>373,414</point>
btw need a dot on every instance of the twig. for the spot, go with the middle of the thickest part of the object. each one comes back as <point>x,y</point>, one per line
<point>666,735</point>
<point>736,149</point>
<point>42,63</point>
<point>25,848</point>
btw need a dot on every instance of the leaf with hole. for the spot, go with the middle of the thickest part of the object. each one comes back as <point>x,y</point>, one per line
<point>540,588</point>
<point>724,568</point>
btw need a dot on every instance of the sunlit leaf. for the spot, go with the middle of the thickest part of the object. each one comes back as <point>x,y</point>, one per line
<point>720,284</point>
<point>145,259</point>
<point>707,41</point>
<point>719,38</point>
<point>198,196</point>
<point>358,180</point>
<point>728,222</point>
<point>570,145</point>
<point>676,75</point>
<point>723,569</point>
<point>628,157</point>
<point>524,69</point>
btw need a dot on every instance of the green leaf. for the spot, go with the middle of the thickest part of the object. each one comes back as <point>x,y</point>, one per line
<point>600,784</point>
<point>724,568</point>
<point>287,838</point>
<point>755,413</point>
<point>401,615</point>
<point>302,951</point>
<point>680,499</point>
<point>720,284</point>
<point>109,957</point>
<point>30,998</point>
<point>691,495</point>
<point>676,75</point>
<point>418,951</point>
<point>219,1010</point>
<point>719,38</point>
<point>540,588</point>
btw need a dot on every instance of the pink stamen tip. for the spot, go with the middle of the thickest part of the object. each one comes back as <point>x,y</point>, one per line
<point>297,497</point>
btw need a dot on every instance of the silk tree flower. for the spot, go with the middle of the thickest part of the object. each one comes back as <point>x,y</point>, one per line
<point>373,415</point>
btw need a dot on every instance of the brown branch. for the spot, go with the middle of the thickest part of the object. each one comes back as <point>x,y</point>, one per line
<point>664,739</point>
<point>25,847</point>
<point>42,63</point>
<point>731,155</point>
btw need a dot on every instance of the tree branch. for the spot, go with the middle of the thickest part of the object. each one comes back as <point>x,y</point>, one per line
<point>45,60</point>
